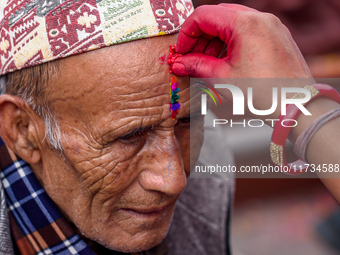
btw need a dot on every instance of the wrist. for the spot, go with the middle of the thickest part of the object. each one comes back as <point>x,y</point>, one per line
<point>317,107</point>
<point>281,131</point>
<point>286,89</point>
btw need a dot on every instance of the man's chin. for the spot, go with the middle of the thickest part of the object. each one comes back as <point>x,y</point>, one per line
<point>140,245</point>
<point>137,243</point>
<point>134,234</point>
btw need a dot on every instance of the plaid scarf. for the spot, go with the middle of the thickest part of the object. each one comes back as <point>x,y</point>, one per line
<point>37,225</point>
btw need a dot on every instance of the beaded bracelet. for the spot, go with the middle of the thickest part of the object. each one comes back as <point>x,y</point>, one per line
<point>280,132</point>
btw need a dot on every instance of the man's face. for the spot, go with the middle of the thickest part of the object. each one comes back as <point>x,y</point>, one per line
<point>125,162</point>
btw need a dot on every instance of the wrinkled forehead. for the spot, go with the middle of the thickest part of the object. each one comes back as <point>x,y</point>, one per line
<point>119,66</point>
<point>119,77</point>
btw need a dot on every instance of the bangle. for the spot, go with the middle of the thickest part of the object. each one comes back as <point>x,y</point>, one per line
<point>303,139</point>
<point>280,132</point>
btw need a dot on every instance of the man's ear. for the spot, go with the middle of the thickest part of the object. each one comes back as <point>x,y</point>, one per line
<point>20,128</point>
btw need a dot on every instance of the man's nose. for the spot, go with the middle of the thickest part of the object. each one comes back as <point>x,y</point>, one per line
<point>163,170</point>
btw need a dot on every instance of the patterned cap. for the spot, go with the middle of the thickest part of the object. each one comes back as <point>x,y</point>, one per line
<point>37,31</point>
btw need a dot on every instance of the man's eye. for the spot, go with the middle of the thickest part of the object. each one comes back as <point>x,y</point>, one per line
<point>133,135</point>
<point>185,120</point>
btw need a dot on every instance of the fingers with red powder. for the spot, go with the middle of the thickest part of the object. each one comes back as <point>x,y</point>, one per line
<point>201,39</point>
<point>258,45</point>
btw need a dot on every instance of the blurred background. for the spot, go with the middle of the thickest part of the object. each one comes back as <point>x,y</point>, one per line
<point>288,216</point>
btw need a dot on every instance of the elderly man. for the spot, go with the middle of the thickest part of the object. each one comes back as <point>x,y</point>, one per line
<point>91,162</point>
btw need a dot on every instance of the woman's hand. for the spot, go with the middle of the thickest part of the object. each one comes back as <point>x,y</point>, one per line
<point>258,46</point>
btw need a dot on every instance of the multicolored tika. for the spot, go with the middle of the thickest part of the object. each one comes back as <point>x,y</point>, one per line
<point>174,105</point>
<point>174,97</point>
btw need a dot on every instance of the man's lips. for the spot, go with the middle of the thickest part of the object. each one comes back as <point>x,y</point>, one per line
<point>150,211</point>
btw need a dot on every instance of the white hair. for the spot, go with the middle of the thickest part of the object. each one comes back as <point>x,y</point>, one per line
<point>2,84</point>
<point>52,129</point>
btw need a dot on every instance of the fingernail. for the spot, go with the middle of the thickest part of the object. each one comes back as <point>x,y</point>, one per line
<point>179,69</point>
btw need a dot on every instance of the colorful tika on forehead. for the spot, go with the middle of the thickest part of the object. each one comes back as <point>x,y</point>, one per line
<point>37,31</point>
<point>174,104</point>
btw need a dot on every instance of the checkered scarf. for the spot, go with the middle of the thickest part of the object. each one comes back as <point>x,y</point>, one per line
<point>36,223</point>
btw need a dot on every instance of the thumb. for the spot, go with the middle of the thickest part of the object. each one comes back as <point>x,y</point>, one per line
<point>201,66</point>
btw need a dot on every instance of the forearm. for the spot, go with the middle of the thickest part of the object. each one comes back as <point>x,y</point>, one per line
<point>324,146</point>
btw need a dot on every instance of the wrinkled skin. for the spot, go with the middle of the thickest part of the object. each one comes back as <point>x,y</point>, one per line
<point>118,188</point>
